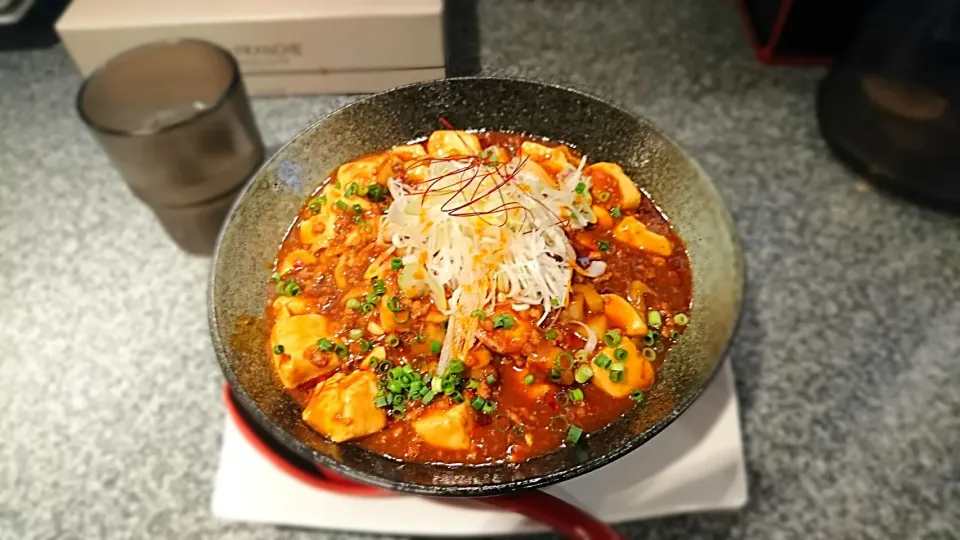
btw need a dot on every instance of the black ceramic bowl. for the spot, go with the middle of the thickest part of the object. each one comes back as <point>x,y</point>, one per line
<point>266,209</point>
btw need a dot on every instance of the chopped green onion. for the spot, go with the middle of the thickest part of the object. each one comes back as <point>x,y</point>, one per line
<point>637,395</point>
<point>341,205</point>
<point>528,380</point>
<point>652,337</point>
<point>428,397</point>
<point>491,379</point>
<point>504,320</point>
<point>602,361</point>
<point>564,360</point>
<point>353,303</point>
<point>381,402</point>
<point>489,407</point>
<point>583,374</point>
<point>478,314</point>
<point>436,347</point>
<point>357,209</point>
<point>620,354</point>
<point>448,387</point>
<point>456,397</point>
<point>551,334</point>
<point>581,187</point>
<point>394,305</point>
<point>574,434</point>
<point>603,245</point>
<point>278,349</point>
<point>341,350</point>
<point>615,212</point>
<point>653,319</point>
<point>393,341</point>
<point>473,384</point>
<point>275,277</point>
<point>649,354</point>
<point>558,423</point>
<point>336,184</point>
<point>376,193</point>
<point>395,386</point>
<point>603,196</point>
<point>288,288</point>
<point>616,376</point>
<point>359,220</point>
<point>325,345</point>
<point>356,333</point>
<point>398,401</point>
<point>612,338</point>
<point>366,307</point>
<point>674,335</point>
<point>379,286</point>
<point>397,413</point>
<point>554,375</point>
<point>351,189</point>
<point>478,403</point>
<point>681,319</point>
<point>576,395</point>
<point>456,367</point>
<point>554,302</point>
<point>384,366</point>
<point>362,190</point>
<point>617,366</point>
<point>365,345</point>
<point>562,399</point>
<point>396,263</point>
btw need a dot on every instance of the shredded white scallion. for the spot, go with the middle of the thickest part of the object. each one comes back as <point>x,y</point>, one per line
<point>482,230</point>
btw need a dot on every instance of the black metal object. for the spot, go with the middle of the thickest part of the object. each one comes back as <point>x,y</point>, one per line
<point>801,31</point>
<point>891,108</point>
<point>35,30</point>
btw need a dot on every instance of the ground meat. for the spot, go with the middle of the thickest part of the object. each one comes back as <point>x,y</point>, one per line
<point>484,390</point>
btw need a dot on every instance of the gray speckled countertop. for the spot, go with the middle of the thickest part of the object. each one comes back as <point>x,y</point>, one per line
<point>847,360</point>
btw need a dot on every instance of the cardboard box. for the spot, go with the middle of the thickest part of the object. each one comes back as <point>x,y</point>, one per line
<point>283,46</point>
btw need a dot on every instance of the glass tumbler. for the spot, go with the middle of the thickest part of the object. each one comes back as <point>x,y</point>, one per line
<point>175,121</point>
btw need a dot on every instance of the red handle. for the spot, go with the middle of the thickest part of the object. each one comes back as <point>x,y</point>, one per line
<point>537,505</point>
<point>555,513</point>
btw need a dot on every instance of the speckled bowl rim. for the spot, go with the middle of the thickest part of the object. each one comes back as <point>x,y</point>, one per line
<point>290,441</point>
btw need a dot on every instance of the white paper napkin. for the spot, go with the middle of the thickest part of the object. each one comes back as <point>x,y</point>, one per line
<point>696,464</point>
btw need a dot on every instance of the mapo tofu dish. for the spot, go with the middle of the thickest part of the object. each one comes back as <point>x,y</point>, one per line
<point>474,298</point>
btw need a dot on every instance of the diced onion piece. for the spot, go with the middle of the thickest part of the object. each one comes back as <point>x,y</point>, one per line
<point>439,297</point>
<point>411,287</point>
<point>375,267</point>
<point>596,269</point>
<point>591,337</point>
